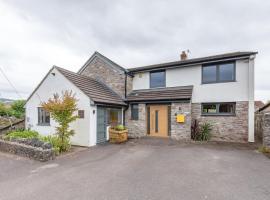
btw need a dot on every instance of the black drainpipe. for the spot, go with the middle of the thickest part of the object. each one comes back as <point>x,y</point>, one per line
<point>124,119</point>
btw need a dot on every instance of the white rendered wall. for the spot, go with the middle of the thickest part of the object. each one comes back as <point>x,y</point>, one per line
<point>215,92</point>
<point>141,81</point>
<point>57,84</point>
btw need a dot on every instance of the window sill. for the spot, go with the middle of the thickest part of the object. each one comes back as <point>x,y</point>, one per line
<point>218,115</point>
<point>218,82</point>
<point>43,125</point>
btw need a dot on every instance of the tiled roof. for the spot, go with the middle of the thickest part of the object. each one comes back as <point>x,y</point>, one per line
<point>169,93</point>
<point>193,61</point>
<point>97,91</point>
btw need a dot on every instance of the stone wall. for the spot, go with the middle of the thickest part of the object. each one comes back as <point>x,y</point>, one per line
<point>181,131</point>
<point>262,128</point>
<point>258,127</point>
<point>108,74</point>
<point>136,128</point>
<point>266,130</point>
<point>226,128</point>
<point>27,151</point>
<point>17,125</point>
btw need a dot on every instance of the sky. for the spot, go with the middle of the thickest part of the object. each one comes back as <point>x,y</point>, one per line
<point>37,34</point>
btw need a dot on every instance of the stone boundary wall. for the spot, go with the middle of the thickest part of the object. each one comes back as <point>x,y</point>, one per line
<point>262,128</point>
<point>27,151</point>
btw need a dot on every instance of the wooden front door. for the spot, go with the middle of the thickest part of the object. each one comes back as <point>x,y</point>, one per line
<point>158,120</point>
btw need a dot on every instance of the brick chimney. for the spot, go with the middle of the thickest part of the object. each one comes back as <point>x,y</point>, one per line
<point>183,55</point>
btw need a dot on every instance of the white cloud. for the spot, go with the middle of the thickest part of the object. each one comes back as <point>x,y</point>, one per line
<point>38,34</point>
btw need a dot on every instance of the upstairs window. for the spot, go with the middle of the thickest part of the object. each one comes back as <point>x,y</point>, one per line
<point>134,111</point>
<point>218,73</point>
<point>157,79</point>
<point>43,117</point>
<point>218,109</point>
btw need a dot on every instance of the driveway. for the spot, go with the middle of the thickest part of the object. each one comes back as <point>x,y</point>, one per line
<point>141,169</point>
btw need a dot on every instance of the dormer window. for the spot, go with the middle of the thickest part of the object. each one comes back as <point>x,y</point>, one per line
<point>157,79</point>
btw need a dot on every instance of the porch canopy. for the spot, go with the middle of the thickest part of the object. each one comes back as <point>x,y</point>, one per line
<point>161,94</point>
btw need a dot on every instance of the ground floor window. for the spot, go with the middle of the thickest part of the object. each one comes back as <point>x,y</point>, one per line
<point>114,116</point>
<point>43,117</point>
<point>218,108</point>
<point>134,111</point>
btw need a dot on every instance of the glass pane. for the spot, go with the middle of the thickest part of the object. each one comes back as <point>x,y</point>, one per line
<point>157,79</point>
<point>156,122</point>
<point>209,74</point>
<point>226,108</point>
<point>226,72</point>
<point>114,117</point>
<point>134,111</point>
<point>210,108</point>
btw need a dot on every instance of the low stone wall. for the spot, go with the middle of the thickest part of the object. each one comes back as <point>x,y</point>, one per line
<point>35,153</point>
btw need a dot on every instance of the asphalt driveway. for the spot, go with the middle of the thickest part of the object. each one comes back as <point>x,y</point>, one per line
<point>141,169</point>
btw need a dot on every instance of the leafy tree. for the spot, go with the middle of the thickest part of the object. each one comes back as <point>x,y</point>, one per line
<point>62,111</point>
<point>4,110</point>
<point>17,108</point>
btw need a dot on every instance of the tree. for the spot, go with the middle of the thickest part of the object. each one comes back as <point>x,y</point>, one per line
<point>62,111</point>
<point>3,109</point>
<point>17,108</point>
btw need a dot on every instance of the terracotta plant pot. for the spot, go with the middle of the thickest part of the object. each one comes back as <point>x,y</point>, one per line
<point>118,136</point>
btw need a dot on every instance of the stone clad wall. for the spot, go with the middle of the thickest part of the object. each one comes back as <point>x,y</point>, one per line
<point>136,128</point>
<point>226,128</point>
<point>181,131</point>
<point>108,74</point>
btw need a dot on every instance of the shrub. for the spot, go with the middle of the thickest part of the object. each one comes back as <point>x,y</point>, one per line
<point>27,134</point>
<point>264,149</point>
<point>56,143</point>
<point>62,111</point>
<point>205,131</point>
<point>17,108</point>
<point>201,132</point>
<point>4,110</point>
<point>119,128</point>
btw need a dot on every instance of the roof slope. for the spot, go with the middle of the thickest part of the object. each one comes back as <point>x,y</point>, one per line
<point>97,54</point>
<point>97,91</point>
<point>169,93</point>
<point>229,56</point>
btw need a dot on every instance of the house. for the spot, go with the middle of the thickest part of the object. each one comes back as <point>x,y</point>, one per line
<point>157,100</point>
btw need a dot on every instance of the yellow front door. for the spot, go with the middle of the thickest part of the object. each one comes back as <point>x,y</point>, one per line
<point>158,120</point>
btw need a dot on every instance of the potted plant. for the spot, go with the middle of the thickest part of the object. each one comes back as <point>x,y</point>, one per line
<point>118,134</point>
